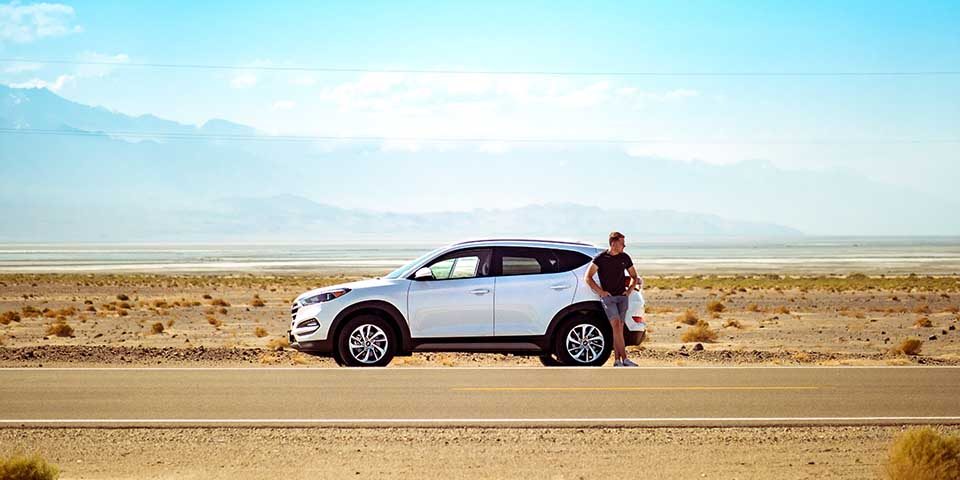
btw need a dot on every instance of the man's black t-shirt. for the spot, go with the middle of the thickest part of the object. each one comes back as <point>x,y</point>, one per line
<point>610,270</point>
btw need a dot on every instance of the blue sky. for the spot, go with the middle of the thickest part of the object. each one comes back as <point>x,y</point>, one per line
<point>716,120</point>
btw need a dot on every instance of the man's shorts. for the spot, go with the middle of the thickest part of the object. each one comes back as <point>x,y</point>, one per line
<point>615,306</point>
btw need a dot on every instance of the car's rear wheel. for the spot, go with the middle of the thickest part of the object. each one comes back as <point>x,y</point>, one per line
<point>366,341</point>
<point>584,341</point>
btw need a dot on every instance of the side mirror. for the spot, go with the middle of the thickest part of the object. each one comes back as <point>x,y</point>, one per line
<point>423,274</point>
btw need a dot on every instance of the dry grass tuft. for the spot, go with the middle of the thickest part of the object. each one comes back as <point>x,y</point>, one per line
<point>8,317</point>
<point>157,328</point>
<point>216,322</point>
<point>60,328</point>
<point>29,312</point>
<point>123,297</point>
<point>732,323</point>
<point>701,332</point>
<point>910,346</point>
<point>782,309</point>
<point>257,302</point>
<point>688,317</point>
<point>923,308</point>
<point>922,322</point>
<point>20,467</point>
<point>753,307</point>
<point>924,454</point>
<point>278,343</point>
<point>260,332</point>
<point>219,302</point>
<point>716,306</point>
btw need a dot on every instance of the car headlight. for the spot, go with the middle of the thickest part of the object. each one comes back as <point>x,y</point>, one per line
<point>325,296</point>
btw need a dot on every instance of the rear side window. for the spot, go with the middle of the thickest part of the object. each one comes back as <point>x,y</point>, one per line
<point>525,261</point>
<point>570,260</point>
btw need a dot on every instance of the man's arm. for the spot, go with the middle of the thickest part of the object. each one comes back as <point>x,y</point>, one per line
<point>634,279</point>
<point>588,278</point>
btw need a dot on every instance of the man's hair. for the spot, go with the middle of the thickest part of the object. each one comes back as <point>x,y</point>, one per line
<point>614,236</point>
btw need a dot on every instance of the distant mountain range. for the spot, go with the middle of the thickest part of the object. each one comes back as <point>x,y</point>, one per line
<point>86,173</point>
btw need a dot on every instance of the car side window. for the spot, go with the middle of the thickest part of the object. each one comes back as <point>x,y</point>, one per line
<point>466,264</point>
<point>569,260</point>
<point>526,261</point>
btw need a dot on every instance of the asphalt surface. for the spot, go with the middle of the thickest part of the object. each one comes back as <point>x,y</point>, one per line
<point>654,396</point>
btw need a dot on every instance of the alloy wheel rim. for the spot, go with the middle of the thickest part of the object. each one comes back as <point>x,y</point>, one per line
<point>367,343</point>
<point>585,343</point>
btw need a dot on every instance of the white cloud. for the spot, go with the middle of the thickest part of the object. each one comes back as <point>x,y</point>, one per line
<point>243,80</point>
<point>26,23</point>
<point>100,70</point>
<point>283,104</point>
<point>55,85</point>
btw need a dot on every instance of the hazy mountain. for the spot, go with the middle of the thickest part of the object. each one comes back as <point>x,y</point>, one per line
<point>203,187</point>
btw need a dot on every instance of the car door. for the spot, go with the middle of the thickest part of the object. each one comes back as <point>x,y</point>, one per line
<point>458,300</point>
<point>530,290</point>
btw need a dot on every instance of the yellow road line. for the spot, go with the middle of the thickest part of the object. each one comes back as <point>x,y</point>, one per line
<point>624,389</point>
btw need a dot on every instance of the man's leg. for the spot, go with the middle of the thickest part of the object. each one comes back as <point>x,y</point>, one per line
<point>619,345</point>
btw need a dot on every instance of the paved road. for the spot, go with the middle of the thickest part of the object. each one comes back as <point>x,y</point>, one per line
<point>481,396</point>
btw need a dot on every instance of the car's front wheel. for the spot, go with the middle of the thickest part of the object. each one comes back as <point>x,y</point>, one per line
<point>583,341</point>
<point>366,341</point>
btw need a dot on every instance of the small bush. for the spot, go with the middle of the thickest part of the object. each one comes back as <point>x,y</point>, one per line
<point>157,328</point>
<point>732,323</point>
<point>688,317</point>
<point>278,343</point>
<point>29,312</point>
<point>206,296</point>
<point>216,322</point>
<point>260,332</point>
<point>219,302</point>
<point>60,328</point>
<point>257,302</point>
<point>923,322</point>
<point>8,317</point>
<point>910,346</point>
<point>924,308</point>
<point>701,332</point>
<point>716,306</point>
<point>123,297</point>
<point>170,323</point>
<point>924,454</point>
<point>34,467</point>
<point>782,309</point>
<point>753,307</point>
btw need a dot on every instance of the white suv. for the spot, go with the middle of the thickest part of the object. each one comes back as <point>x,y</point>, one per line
<point>525,297</point>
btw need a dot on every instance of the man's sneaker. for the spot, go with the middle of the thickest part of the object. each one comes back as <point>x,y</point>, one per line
<point>628,363</point>
<point>617,363</point>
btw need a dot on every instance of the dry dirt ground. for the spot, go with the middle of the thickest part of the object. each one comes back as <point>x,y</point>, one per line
<point>241,320</point>
<point>204,453</point>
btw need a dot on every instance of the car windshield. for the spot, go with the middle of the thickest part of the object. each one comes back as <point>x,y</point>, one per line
<point>405,270</point>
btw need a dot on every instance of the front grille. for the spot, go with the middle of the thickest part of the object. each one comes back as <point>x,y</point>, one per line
<point>293,311</point>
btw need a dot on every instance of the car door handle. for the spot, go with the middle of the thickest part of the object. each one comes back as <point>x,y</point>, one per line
<point>480,291</point>
<point>561,286</point>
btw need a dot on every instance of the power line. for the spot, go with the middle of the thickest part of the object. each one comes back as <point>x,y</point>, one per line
<point>571,73</point>
<point>426,139</point>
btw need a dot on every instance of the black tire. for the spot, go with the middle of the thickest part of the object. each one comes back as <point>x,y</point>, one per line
<point>547,360</point>
<point>597,345</point>
<point>376,351</point>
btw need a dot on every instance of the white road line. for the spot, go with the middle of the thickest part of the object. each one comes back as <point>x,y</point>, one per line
<point>315,421</point>
<point>338,369</point>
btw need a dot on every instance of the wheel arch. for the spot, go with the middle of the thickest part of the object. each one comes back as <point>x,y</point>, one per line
<point>380,308</point>
<point>587,307</point>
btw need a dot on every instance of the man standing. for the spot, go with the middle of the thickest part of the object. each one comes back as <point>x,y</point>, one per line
<point>613,290</point>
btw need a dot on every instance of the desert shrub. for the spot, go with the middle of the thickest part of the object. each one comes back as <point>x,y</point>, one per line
<point>222,311</point>
<point>216,322</point>
<point>157,327</point>
<point>688,317</point>
<point>753,307</point>
<point>923,454</point>
<point>732,323</point>
<point>910,346</point>
<point>29,312</point>
<point>170,322</point>
<point>206,296</point>
<point>8,317</point>
<point>260,332</point>
<point>21,467</point>
<point>716,306</point>
<point>923,308</point>
<point>60,328</point>
<point>923,322</point>
<point>257,302</point>
<point>219,302</point>
<point>123,297</point>
<point>278,343</point>
<point>782,309</point>
<point>701,332</point>
<point>161,304</point>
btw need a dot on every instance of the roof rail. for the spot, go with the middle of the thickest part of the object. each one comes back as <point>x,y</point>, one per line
<point>563,242</point>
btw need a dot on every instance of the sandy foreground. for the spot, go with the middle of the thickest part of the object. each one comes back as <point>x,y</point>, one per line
<point>241,320</point>
<point>561,453</point>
